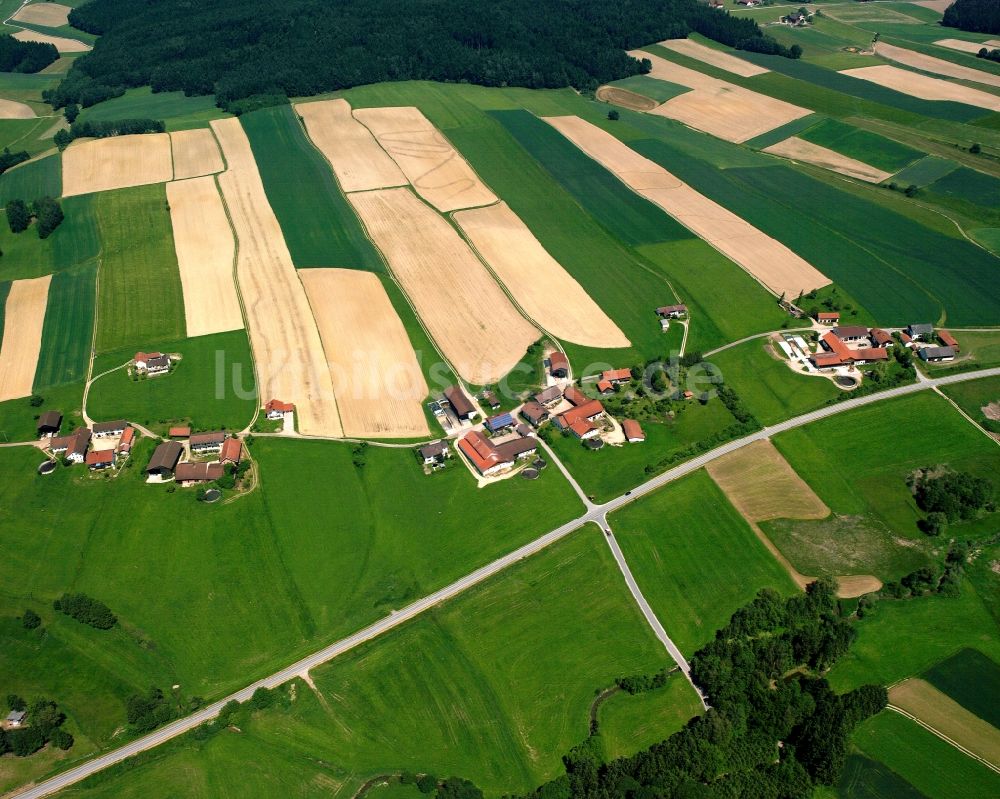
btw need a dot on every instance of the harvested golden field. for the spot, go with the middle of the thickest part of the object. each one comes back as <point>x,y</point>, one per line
<point>205,251</point>
<point>717,107</point>
<point>196,153</point>
<point>48,15</point>
<point>934,5</point>
<point>24,316</point>
<point>116,163</point>
<point>762,485</point>
<point>472,321</point>
<point>716,58</point>
<point>801,150</point>
<point>625,98</point>
<point>11,109</point>
<point>917,85</point>
<point>961,44</point>
<point>291,364</point>
<point>927,63</point>
<point>769,261</point>
<point>539,284</point>
<point>62,43</point>
<point>378,381</point>
<point>437,171</point>
<point>944,714</point>
<point>358,161</point>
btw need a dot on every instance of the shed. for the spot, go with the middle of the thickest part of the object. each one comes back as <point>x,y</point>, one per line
<point>164,459</point>
<point>49,423</point>
<point>936,354</point>
<point>460,403</point>
<point>534,412</point>
<point>558,364</point>
<point>232,451</point>
<point>633,431</point>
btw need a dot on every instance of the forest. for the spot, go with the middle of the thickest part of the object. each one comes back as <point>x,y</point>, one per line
<point>18,56</point>
<point>240,49</point>
<point>978,16</point>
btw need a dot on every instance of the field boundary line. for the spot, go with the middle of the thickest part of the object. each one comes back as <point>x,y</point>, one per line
<point>944,737</point>
<point>971,421</point>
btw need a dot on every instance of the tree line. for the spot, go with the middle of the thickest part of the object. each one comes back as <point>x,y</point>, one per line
<point>978,16</point>
<point>250,53</point>
<point>87,610</point>
<point>18,56</point>
<point>80,129</point>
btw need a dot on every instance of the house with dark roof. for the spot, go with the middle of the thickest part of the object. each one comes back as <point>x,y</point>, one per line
<point>206,442</point>
<point>534,412</point>
<point>490,398</point>
<point>517,448</point>
<point>190,473</point>
<point>435,452</point>
<point>558,364</point>
<point>550,396</point>
<point>164,460</point>
<point>671,311</point>
<point>151,363</point>
<point>936,354</point>
<point>16,718</point>
<point>49,424</point>
<point>460,403</point>
<point>851,332</point>
<point>77,449</point>
<point>109,429</point>
<point>502,421</point>
<point>923,332</point>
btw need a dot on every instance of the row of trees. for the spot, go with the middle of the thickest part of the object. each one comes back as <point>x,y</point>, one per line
<point>105,129</point>
<point>45,210</point>
<point>250,52</point>
<point>43,725</point>
<point>979,16</point>
<point>18,56</point>
<point>87,610</point>
<point>9,159</point>
<point>774,729</point>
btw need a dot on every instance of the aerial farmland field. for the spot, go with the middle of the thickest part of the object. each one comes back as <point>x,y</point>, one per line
<point>69,325</point>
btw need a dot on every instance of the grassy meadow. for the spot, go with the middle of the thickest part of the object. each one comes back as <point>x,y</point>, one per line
<point>974,395</point>
<point>210,388</point>
<point>176,110</point>
<point>870,148</point>
<point>630,723</point>
<point>695,558</point>
<point>139,302</point>
<point>76,241</point>
<point>320,227</point>
<point>68,329</point>
<point>32,179</point>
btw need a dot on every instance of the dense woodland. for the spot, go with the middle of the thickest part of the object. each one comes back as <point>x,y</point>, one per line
<point>18,56</point>
<point>240,49</point>
<point>979,16</point>
<point>774,730</point>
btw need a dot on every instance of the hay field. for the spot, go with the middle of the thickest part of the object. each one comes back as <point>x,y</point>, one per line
<point>717,107</point>
<point>11,109</point>
<point>925,88</point>
<point>945,715</point>
<point>962,45</point>
<point>48,15</point>
<point>117,162</point>
<point>716,58</point>
<point>291,365</point>
<point>769,261</point>
<point>376,376</point>
<point>801,150</point>
<point>435,168</point>
<point>62,43</point>
<point>205,250</point>
<point>938,66</point>
<point>467,315</point>
<point>196,153</point>
<point>358,161</point>
<point>625,98</point>
<point>539,283</point>
<point>24,317</point>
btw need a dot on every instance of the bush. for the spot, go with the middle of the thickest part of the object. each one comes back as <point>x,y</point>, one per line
<point>15,702</point>
<point>427,783</point>
<point>87,610</point>
<point>61,739</point>
<point>30,620</point>
<point>613,115</point>
<point>147,712</point>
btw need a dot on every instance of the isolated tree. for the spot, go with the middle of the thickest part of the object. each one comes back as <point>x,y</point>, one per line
<point>613,114</point>
<point>975,149</point>
<point>18,216</point>
<point>30,620</point>
<point>49,214</point>
<point>910,190</point>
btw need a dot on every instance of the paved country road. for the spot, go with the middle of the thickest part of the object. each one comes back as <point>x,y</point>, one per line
<point>596,514</point>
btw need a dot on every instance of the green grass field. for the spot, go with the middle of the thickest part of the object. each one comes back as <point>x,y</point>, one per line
<point>858,463</point>
<point>878,151</point>
<point>653,88</point>
<point>610,471</point>
<point>32,180</point>
<point>629,724</point>
<point>973,395</point>
<point>68,329</point>
<point>381,531</point>
<point>27,134</point>
<point>864,778</point>
<point>782,132</point>
<point>768,387</point>
<point>197,391</point>
<point>972,680</point>
<point>18,418</point>
<point>140,303</point>
<point>925,171</point>
<point>695,558</point>
<point>176,110</point>
<point>928,764</point>
<point>320,227</point>
<point>76,241</point>
<point>493,687</point>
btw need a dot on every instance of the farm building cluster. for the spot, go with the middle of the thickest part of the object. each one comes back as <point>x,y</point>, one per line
<point>103,446</point>
<point>216,450</point>
<point>151,364</point>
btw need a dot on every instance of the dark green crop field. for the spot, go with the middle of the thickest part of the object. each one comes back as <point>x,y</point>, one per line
<point>654,88</point>
<point>972,680</point>
<point>68,329</point>
<point>870,148</point>
<point>320,227</point>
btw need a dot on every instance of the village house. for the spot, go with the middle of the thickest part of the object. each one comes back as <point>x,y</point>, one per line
<point>481,453</point>
<point>517,448</point>
<point>948,340</point>
<point>584,429</point>
<point>435,453</point>
<point>881,338</point>
<point>672,311</point>
<point>49,424</point>
<point>617,376</point>
<point>936,354</point>
<point>850,333</point>
<point>922,332</point>
<point>502,421</point>
<point>151,363</point>
<point>72,447</point>
<point>109,429</point>
<point>276,409</point>
<point>490,398</point>
<point>588,411</point>
<point>605,387</point>
<point>550,396</point>
<point>574,396</point>
<point>206,442</point>
<point>749,3</point>
<point>558,364</point>
<point>523,430</point>
<point>828,318</point>
<point>232,451</point>
<point>190,473</point>
<point>100,459</point>
<point>125,442</point>
<point>905,338</point>
<point>16,718</point>
<point>795,18</point>
<point>534,412</point>
<point>633,431</point>
<point>164,459</point>
<point>460,404</point>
